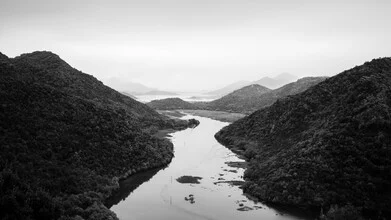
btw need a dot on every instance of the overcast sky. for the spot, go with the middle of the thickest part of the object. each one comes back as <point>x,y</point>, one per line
<point>199,44</point>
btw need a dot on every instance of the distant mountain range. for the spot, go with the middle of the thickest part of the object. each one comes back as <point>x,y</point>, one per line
<point>255,100</point>
<point>268,82</point>
<point>229,88</point>
<point>134,88</point>
<point>157,92</point>
<point>277,81</point>
<point>328,147</point>
<point>245,100</point>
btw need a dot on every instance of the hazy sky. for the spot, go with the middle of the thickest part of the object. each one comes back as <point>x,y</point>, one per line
<point>199,44</point>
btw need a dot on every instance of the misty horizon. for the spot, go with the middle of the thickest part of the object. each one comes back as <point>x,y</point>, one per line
<point>199,45</point>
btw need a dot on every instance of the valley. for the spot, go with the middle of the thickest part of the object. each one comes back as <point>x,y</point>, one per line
<point>74,148</point>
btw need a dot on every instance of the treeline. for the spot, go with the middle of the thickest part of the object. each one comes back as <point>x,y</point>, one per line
<point>327,148</point>
<point>66,139</point>
<point>245,100</point>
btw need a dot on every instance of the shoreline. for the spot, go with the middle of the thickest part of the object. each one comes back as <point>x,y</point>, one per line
<point>312,211</point>
<point>162,134</point>
<point>215,115</point>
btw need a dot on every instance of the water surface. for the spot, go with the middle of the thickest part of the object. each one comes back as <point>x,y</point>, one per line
<point>157,195</point>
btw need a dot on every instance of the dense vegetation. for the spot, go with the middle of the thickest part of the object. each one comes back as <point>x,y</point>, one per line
<point>254,97</point>
<point>171,104</point>
<point>66,139</point>
<point>232,101</point>
<point>245,100</point>
<point>328,147</point>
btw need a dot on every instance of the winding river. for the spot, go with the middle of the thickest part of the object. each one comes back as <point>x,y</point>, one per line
<point>157,194</point>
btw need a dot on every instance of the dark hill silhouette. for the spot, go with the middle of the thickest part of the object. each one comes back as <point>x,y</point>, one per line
<point>329,145</point>
<point>66,139</point>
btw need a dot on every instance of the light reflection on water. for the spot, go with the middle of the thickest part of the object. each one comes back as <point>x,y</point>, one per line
<point>157,194</point>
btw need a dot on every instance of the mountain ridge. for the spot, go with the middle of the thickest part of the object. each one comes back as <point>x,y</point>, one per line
<point>244,100</point>
<point>323,147</point>
<point>67,139</point>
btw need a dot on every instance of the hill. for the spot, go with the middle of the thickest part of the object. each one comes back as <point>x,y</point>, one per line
<point>66,140</point>
<point>229,88</point>
<point>254,97</point>
<point>120,84</point>
<point>130,95</point>
<point>268,82</point>
<point>277,81</point>
<point>133,88</point>
<point>157,92</point>
<point>326,146</point>
<point>171,104</point>
<point>245,100</point>
<point>233,101</point>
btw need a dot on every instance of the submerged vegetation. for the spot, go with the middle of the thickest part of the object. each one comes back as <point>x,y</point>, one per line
<point>328,147</point>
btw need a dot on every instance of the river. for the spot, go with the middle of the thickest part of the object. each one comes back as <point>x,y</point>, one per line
<point>157,194</point>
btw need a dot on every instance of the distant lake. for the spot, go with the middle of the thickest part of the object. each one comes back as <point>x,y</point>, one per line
<point>157,194</point>
<point>190,97</point>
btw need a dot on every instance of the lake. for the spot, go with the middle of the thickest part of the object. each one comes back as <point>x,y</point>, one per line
<point>190,97</point>
<point>157,194</point>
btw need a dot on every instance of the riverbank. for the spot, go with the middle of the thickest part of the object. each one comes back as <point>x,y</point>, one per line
<point>216,194</point>
<point>248,187</point>
<point>149,166</point>
<point>216,115</point>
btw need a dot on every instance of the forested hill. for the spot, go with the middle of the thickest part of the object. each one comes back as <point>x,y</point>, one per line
<point>66,138</point>
<point>245,100</point>
<point>170,104</point>
<point>329,145</point>
<point>233,101</point>
<point>251,98</point>
<point>49,69</point>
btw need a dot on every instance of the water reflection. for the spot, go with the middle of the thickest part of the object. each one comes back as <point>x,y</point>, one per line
<point>127,186</point>
<point>216,196</point>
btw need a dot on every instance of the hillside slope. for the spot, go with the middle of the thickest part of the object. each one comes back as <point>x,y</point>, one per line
<point>67,138</point>
<point>330,144</point>
<point>277,81</point>
<point>233,101</point>
<point>251,100</point>
<point>228,89</point>
<point>171,104</point>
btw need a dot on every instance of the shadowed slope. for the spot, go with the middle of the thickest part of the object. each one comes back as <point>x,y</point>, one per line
<point>328,145</point>
<point>66,139</point>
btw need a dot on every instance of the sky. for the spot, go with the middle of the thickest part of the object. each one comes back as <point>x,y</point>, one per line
<point>191,45</point>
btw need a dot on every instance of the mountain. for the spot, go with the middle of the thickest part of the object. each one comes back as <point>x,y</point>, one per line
<point>66,139</point>
<point>328,146</point>
<point>158,92</point>
<point>129,87</point>
<point>229,88</point>
<point>277,81</point>
<point>286,76</point>
<point>245,100</point>
<point>171,104</point>
<point>269,82</point>
<point>254,97</point>
<point>130,95</point>
<point>134,88</point>
<point>233,101</point>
